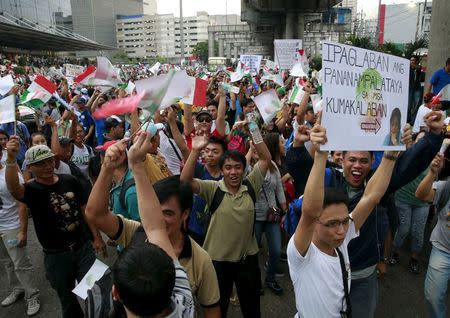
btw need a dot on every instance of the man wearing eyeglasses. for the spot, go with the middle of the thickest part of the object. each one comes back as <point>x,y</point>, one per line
<point>204,120</point>
<point>318,258</point>
<point>366,250</point>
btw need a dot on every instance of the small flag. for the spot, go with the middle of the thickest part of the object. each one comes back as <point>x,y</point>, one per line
<point>444,94</point>
<point>268,104</point>
<point>118,106</point>
<point>8,109</point>
<point>84,77</point>
<point>128,87</point>
<point>39,92</point>
<point>276,78</point>
<point>6,83</point>
<point>316,101</point>
<point>297,70</point>
<point>197,95</point>
<point>203,76</point>
<point>296,95</point>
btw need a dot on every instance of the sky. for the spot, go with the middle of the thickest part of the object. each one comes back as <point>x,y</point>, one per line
<point>190,7</point>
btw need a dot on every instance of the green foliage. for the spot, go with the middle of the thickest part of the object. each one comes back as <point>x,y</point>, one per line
<point>201,50</point>
<point>22,61</point>
<point>316,63</point>
<point>417,44</point>
<point>388,47</point>
<point>121,56</point>
<point>391,48</point>
<point>161,59</point>
<point>19,70</point>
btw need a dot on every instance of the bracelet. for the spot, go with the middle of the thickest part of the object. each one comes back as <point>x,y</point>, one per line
<point>390,157</point>
<point>10,164</point>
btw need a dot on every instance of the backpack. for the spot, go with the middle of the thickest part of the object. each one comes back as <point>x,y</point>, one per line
<point>123,191</point>
<point>237,143</point>
<point>295,209</point>
<point>76,172</point>
<point>99,302</point>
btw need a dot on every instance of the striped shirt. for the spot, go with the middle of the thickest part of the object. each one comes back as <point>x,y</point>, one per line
<point>182,301</point>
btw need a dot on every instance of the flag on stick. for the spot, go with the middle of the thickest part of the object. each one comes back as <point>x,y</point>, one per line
<point>39,92</point>
<point>8,109</point>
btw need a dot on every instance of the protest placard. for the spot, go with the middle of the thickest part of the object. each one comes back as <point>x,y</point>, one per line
<point>286,52</point>
<point>268,104</point>
<point>6,83</point>
<point>271,65</point>
<point>252,61</point>
<point>365,95</point>
<point>73,70</point>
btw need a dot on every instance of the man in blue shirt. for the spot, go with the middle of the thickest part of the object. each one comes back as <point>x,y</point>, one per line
<point>439,79</point>
<point>198,220</point>
<point>86,121</point>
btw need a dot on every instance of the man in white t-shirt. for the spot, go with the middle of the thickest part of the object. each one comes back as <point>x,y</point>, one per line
<point>317,252</point>
<point>13,254</point>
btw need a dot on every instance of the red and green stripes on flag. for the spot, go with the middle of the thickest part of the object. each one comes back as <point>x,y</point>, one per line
<point>39,92</point>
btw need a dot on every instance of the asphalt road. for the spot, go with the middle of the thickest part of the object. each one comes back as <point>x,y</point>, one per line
<point>401,292</point>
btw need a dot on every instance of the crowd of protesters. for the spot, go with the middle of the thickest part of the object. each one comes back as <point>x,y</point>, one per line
<point>187,196</point>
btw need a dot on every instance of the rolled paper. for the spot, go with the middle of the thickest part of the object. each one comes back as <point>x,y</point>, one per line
<point>445,145</point>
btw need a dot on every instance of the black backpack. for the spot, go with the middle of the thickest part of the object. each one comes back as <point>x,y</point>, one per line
<point>218,197</point>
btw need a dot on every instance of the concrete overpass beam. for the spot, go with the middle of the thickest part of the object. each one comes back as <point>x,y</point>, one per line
<point>289,27</point>
<point>211,44</point>
<point>221,47</point>
<point>300,25</point>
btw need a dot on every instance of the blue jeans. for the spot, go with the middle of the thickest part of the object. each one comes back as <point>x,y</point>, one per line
<point>62,269</point>
<point>364,296</point>
<point>412,219</point>
<point>273,236</point>
<point>436,282</point>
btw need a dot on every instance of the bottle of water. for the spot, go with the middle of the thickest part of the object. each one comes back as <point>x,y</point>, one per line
<point>253,127</point>
<point>12,243</point>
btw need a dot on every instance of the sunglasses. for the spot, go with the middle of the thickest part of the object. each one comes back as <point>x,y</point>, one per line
<point>336,223</point>
<point>204,119</point>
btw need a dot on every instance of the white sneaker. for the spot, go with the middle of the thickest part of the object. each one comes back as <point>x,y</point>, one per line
<point>33,305</point>
<point>13,297</point>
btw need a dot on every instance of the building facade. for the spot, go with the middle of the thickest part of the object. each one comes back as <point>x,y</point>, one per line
<point>150,36</point>
<point>405,23</point>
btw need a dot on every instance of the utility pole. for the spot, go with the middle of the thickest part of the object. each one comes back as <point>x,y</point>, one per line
<point>181,30</point>
<point>378,23</point>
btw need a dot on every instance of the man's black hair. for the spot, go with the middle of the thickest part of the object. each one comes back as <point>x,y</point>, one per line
<point>174,187</point>
<point>169,130</point>
<point>345,152</point>
<point>448,61</point>
<point>212,102</point>
<point>233,155</point>
<point>334,196</point>
<point>3,132</point>
<point>218,141</point>
<point>144,277</point>
<point>110,123</point>
<point>245,102</point>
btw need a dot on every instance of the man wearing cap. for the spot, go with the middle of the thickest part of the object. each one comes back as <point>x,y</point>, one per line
<point>202,125</point>
<point>114,128</point>
<point>57,204</point>
<point>439,80</point>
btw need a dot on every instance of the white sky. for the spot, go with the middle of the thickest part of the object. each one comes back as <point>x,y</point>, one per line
<point>190,7</point>
<point>370,7</point>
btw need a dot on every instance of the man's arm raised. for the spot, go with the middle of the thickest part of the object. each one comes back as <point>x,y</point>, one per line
<point>13,184</point>
<point>375,190</point>
<point>187,175</point>
<point>314,194</point>
<point>149,207</point>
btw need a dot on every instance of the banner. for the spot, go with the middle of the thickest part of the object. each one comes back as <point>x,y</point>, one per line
<point>365,95</point>
<point>252,61</point>
<point>8,109</point>
<point>271,65</point>
<point>73,70</point>
<point>286,52</point>
<point>6,83</point>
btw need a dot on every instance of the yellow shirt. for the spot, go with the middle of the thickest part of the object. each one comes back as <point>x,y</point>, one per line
<point>230,234</point>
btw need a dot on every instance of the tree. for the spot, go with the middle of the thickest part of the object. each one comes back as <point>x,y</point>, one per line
<point>364,42</point>
<point>201,50</point>
<point>121,56</point>
<point>413,46</point>
<point>391,48</point>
